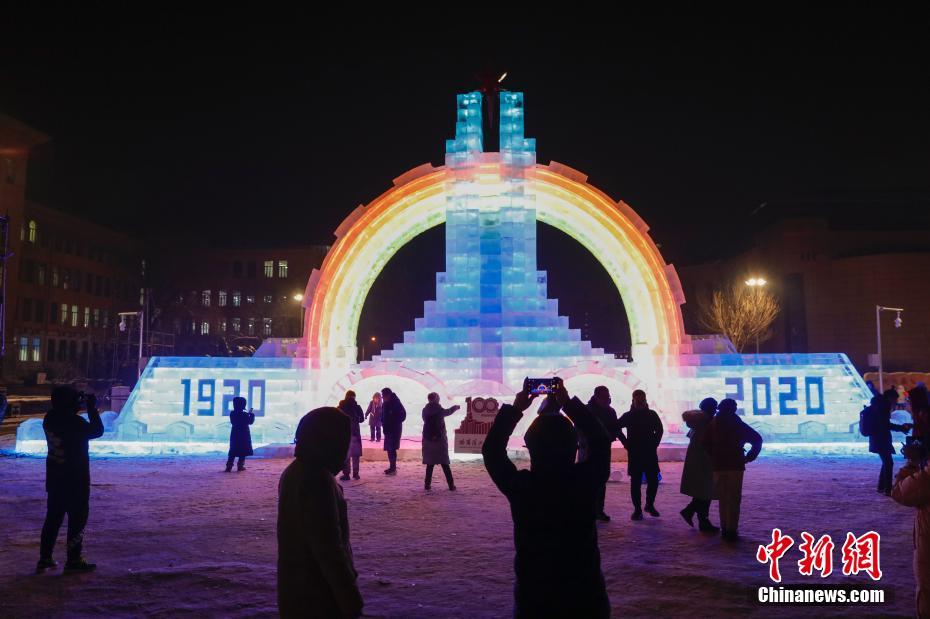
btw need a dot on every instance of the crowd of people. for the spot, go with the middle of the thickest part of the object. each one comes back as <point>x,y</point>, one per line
<point>557,561</point>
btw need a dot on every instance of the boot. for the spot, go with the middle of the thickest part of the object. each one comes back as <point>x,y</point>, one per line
<point>637,514</point>
<point>45,564</point>
<point>688,514</point>
<point>651,510</point>
<point>706,526</point>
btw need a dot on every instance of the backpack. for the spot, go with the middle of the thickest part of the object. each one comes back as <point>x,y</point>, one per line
<point>867,421</point>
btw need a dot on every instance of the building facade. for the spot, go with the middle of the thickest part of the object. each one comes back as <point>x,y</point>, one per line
<point>222,302</point>
<point>828,276</point>
<point>65,278</point>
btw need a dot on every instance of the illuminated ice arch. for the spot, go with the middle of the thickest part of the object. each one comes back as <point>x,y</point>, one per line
<point>616,236</point>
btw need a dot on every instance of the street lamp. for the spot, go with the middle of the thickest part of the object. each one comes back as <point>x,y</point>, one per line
<point>372,339</point>
<point>123,327</point>
<point>754,283</point>
<point>299,297</point>
<point>878,333</point>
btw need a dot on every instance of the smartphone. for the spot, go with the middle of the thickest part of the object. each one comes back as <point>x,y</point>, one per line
<point>541,386</point>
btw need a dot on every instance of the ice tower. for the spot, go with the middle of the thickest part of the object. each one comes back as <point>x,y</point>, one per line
<point>492,319</point>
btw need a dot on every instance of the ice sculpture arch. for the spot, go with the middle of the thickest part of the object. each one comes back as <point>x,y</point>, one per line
<point>611,230</point>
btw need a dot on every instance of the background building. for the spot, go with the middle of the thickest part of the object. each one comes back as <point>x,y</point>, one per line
<point>828,274</point>
<point>226,301</point>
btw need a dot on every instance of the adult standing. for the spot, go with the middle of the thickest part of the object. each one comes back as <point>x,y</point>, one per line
<point>879,415</point>
<point>912,488</point>
<point>644,433</point>
<point>599,453</point>
<point>436,440</point>
<point>351,408</point>
<point>316,571</point>
<point>697,476</point>
<point>374,416</point>
<point>240,437</point>
<point>725,441</point>
<point>393,415</point>
<point>67,475</point>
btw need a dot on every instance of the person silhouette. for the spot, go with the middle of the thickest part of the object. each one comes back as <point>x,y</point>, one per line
<point>435,443</point>
<point>557,563</point>
<point>393,415</point>
<point>644,433</point>
<point>240,437</point>
<point>697,476</point>
<point>67,475</point>
<point>351,408</point>
<point>316,570</point>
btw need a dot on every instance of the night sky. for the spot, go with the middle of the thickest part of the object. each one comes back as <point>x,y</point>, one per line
<point>267,132</point>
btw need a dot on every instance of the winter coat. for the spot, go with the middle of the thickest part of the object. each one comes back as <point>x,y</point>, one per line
<point>607,417</point>
<point>240,437</point>
<point>557,562</point>
<point>393,415</point>
<point>912,488</point>
<point>880,438</point>
<point>697,475</point>
<point>374,414</point>
<point>316,573</point>
<point>67,466</point>
<point>726,436</point>
<point>356,416</point>
<point>435,439</point>
<point>644,433</point>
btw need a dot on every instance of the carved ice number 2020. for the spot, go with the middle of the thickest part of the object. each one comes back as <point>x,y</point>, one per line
<point>785,399</point>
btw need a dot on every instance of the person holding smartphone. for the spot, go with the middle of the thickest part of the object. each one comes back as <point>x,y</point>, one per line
<point>553,504</point>
<point>67,474</point>
<point>240,437</point>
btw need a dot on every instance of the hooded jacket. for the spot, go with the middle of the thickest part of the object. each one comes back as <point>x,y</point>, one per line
<point>316,572</point>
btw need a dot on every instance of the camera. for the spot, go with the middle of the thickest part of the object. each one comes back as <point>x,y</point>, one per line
<point>541,386</point>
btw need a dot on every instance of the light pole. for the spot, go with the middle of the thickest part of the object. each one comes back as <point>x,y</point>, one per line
<point>878,334</point>
<point>299,297</point>
<point>756,283</point>
<point>122,327</point>
<point>372,339</point>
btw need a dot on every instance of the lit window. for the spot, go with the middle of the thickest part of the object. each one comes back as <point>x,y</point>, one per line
<point>36,349</point>
<point>106,318</point>
<point>267,298</point>
<point>64,313</point>
<point>86,317</point>
<point>194,326</point>
<point>74,315</point>
<point>206,298</point>
<point>269,268</point>
<point>65,278</point>
<point>266,326</point>
<point>32,231</point>
<point>237,298</point>
<point>221,298</point>
<point>205,328</point>
<point>251,326</point>
<point>282,268</point>
<point>55,276</point>
<point>24,349</point>
<point>250,299</point>
<point>236,325</point>
<point>221,326</point>
<point>96,317</point>
<point>40,275</point>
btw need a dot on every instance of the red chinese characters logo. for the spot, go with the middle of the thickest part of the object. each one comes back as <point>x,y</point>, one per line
<point>859,554</point>
<point>773,552</point>
<point>817,555</point>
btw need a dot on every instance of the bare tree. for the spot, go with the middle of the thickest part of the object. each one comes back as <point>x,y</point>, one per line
<point>742,313</point>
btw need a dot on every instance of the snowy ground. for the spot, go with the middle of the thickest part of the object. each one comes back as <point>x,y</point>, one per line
<point>178,538</point>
